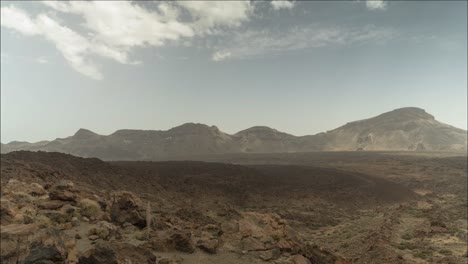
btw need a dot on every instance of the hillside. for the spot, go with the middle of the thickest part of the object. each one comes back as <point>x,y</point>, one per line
<point>405,129</point>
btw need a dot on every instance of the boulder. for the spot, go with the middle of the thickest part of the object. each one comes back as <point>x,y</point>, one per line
<point>252,244</point>
<point>318,254</point>
<point>50,204</point>
<point>208,245</point>
<point>182,242</point>
<point>270,255</point>
<point>126,207</point>
<point>101,253</point>
<point>14,241</point>
<point>75,221</point>
<point>260,232</point>
<point>62,195</point>
<point>63,191</point>
<point>8,210</point>
<point>299,259</point>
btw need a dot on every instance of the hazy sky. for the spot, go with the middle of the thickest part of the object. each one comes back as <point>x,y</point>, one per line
<point>299,67</point>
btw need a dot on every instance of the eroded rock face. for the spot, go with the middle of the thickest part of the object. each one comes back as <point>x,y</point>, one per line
<point>63,191</point>
<point>126,207</point>
<point>30,244</point>
<point>319,255</point>
<point>260,232</point>
<point>8,210</point>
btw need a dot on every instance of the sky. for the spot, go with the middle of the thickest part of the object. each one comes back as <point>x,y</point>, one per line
<point>296,66</point>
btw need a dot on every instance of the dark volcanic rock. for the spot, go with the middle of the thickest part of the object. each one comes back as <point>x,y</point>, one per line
<point>126,207</point>
<point>182,242</point>
<point>101,253</point>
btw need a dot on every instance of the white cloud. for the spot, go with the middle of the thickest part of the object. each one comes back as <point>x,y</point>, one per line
<point>208,15</point>
<point>282,4</point>
<point>376,4</point>
<point>42,60</point>
<point>72,45</point>
<point>14,18</point>
<point>255,43</point>
<point>125,24</point>
<point>112,29</point>
<point>221,55</point>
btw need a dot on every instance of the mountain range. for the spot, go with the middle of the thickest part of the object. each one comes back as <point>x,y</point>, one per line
<point>404,129</point>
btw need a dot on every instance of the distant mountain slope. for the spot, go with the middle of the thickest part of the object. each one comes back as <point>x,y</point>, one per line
<point>407,129</point>
<point>401,129</point>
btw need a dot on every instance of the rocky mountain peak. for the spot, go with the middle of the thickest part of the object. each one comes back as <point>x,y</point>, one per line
<point>193,128</point>
<point>408,113</point>
<point>258,130</point>
<point>84,133</point>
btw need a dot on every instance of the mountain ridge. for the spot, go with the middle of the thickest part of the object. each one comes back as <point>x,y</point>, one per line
<point>403,129</point>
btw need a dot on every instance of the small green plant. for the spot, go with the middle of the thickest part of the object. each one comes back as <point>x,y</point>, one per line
<point>407,236</point>
<point>452,230</point>
<point>89,208</point>
<point>42,220</point>
<point>406,245</point>
<point>415,212</point>
<point>275,237</point>
<point>445,252</point>
<point>424,254</point>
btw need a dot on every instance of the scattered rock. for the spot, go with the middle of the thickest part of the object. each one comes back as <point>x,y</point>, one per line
<point>75,221</point>
<point>269,255</point>
<point>93,237</point>
<point>299,259</point>
<point>209,246</point>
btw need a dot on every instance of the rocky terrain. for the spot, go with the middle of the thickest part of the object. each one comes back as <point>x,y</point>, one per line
<point>405,129</point>
<point>329,207</point>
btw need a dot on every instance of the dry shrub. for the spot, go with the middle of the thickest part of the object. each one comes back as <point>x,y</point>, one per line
<point>89,208</point>
<point>42,221</point>
<point>22,198</point>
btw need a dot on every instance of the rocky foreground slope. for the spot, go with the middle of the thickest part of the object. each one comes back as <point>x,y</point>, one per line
<point>56,208</point>
<point>405,129</point>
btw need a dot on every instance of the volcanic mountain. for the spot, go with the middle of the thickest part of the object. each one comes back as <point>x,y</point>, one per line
<point>404,129</point>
